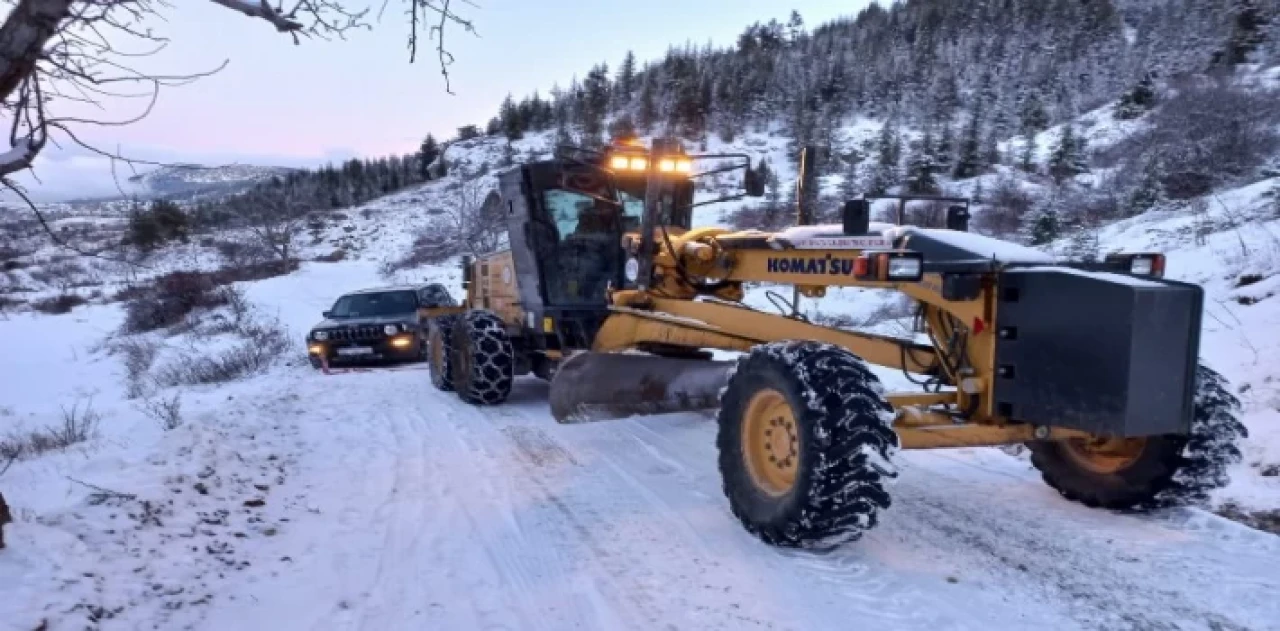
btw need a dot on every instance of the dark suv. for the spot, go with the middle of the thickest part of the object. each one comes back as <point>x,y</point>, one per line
<point>377,324</point>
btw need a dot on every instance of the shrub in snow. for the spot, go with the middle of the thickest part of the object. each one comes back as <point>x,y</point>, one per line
<point>1003,209</point>
<point>62,303</point>
<point>262,343</point>
<point>78,425</point>
<point>1138,101</point>
<point>166,412</point>
<point>171,297</point>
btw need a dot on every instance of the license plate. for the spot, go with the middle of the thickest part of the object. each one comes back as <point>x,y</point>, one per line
<point>356,350</point>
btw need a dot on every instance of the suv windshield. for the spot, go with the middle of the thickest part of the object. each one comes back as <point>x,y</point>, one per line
<point>374,304</point>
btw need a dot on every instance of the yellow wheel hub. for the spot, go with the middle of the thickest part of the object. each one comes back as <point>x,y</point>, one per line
<point>1104,455</point>
<point>770,442</point>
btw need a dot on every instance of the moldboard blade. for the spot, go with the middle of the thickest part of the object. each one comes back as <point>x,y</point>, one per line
<point>590,387</point>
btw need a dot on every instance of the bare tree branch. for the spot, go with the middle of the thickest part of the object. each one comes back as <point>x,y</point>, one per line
<point>263,11</point>
<point>75,52</point>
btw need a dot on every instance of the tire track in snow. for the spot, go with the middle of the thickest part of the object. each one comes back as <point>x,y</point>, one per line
<point>546,584</point>
<point>842,582</point>
<point>681,496</point>
<point>1108,570</point>
<point>1098,591</point>
<point>661,579</point>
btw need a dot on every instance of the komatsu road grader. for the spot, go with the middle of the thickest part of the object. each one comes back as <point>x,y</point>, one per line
<point>608,291</point>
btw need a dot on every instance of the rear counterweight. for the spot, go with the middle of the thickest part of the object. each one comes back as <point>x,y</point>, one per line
<point>1104,353</point>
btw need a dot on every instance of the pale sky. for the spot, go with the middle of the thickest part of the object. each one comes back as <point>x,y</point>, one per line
<point>276,103</point>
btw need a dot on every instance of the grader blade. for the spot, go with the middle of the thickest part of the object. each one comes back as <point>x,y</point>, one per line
<point>590,386</point>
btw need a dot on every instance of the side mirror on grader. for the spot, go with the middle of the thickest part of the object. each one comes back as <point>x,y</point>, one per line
<point>752,183</point>
<point>856,217</point>
<point>1097,371</point>
<point>958,218</point>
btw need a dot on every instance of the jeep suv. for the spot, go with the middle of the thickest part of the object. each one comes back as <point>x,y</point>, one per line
<point>376,325</point>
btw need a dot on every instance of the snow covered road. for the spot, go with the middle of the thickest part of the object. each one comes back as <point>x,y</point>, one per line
<point>418,511</point>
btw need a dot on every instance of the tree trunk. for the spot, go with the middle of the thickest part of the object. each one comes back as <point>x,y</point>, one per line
<point>5,517</point>
<point>23,36</point>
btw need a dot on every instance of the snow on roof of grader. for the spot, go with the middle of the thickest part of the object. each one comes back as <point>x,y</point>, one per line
<point>826,230</point>
<point>1122,279</point>
<point>982,246</point>
<point>985,247</point>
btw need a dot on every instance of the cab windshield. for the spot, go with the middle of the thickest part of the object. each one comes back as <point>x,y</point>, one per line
<point>583,254</point>
<point>374,304</point>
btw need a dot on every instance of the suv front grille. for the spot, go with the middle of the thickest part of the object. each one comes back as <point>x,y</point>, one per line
<point>363,333</point>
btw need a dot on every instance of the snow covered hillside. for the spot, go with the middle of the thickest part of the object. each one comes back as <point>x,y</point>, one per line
<point>223,483</point>
<point>187,181</point>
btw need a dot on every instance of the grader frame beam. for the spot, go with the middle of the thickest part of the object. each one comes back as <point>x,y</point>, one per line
<point>684,323</point>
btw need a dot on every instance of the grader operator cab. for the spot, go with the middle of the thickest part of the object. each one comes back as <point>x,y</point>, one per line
<point>1094,366</point>
<point>547,292</point>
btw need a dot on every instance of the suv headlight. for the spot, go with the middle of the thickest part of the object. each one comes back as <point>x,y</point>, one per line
<point>320,336</point>
<point>391,329</point>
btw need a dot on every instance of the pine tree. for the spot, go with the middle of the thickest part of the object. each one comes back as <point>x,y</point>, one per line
<point>889,147</point>
<point>991,149</point>
<point>1032,116</point>
<point>1148,191</point>
<point>563,137</point>
<point>969,163</point>
<point>513,123</point>
<point>1083,244</point>
<point>850,184</point>
<point>886,173</point>
<point>427,154</point>
<point>1067,159</point>
<point>647,112</point>
<point>1041,224</point>
<point>626,83</point>
<point>1027,157</point>
<point>1247,25</point>
<point>944,152</point>
<point>921,168</point>
<point>795,27</point>
<point>1138,101</point>
<point>595,104</point>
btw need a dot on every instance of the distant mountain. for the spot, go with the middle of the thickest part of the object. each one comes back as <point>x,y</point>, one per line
<point>191,182</point>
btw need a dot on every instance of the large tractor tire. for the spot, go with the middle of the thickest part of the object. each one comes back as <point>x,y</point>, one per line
<point>1151,472</point>
<point>483,359</point>
<point>805,440</point>
<point>440,351</point>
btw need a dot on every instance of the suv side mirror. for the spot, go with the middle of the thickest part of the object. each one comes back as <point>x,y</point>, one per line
<point>752,182</point>
<point>326,314</point>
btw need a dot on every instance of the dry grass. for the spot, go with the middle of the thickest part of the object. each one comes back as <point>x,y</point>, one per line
<point>78,425</point>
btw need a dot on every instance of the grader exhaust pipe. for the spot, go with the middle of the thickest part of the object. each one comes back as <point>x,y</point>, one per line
<point>590,386</point>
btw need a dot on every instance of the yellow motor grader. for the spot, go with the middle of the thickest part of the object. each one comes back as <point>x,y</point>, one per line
<point>609,292</point>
